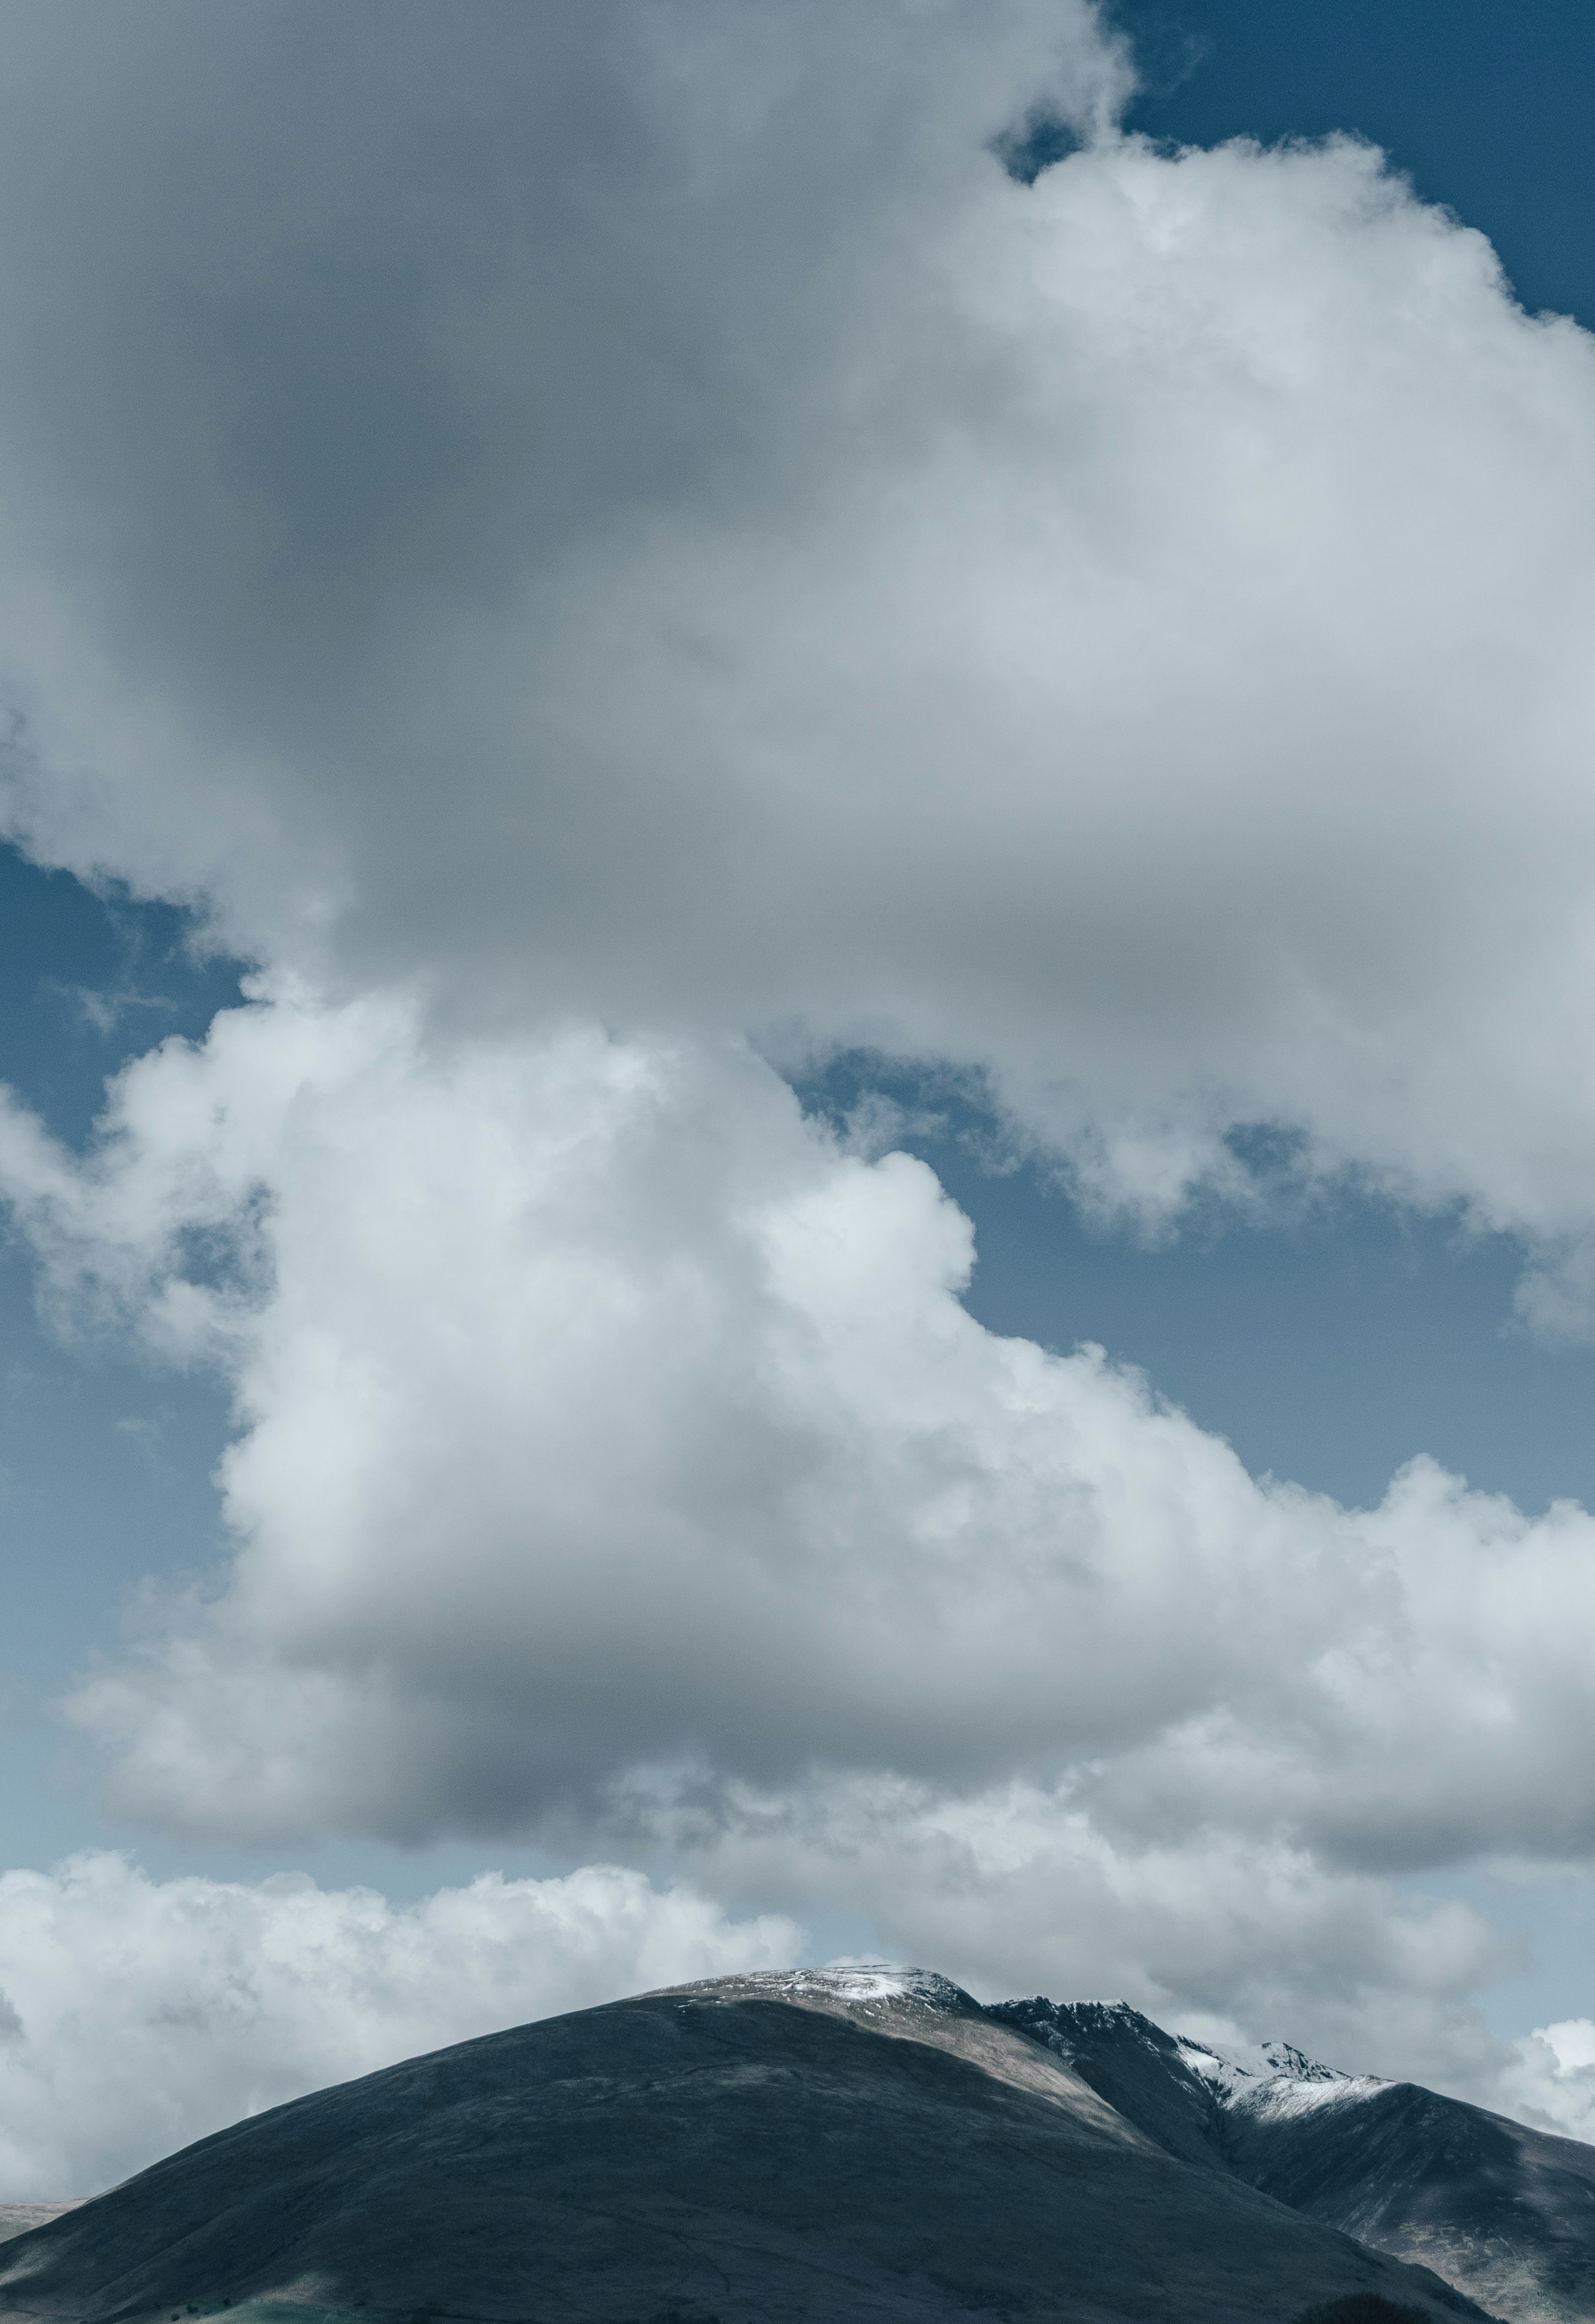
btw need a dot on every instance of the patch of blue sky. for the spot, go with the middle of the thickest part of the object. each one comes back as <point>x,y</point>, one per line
<point>1329,1340</point>
<point>1552,1911</point>
<point>1486,109</point>
<point>88,980</point>
<point>105,1460</point>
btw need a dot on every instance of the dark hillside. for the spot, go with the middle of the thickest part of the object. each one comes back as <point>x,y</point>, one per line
<point>817,2146</point>
<point>1505,2213</point>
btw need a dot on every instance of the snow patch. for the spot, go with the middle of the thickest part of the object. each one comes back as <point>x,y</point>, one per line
<point>1283,2097</point>
<point>865,1982</point>
<point>1272,2078</point>
<point>886,1981</point>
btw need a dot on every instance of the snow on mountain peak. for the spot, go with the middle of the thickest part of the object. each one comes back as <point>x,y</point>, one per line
<point>886,1981</point>
<point>867,1982</point>
<point>1272,2077</point>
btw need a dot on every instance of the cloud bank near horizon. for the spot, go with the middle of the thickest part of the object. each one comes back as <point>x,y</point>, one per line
<point>623,547</point>
<point>139,2015</point>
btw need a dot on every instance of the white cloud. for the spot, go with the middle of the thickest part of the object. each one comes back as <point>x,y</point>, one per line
<point>600,1415</point>
<point>139,2015</point>
<point>1550,2080</point>
<point>616,1463</point>
<point>1019,1891</point>
<point>1124,635</point>
<point>144,2013</point>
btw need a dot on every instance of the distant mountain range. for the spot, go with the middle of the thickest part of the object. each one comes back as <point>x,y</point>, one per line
<point>1505,2214</point>
<point>820,2147</point>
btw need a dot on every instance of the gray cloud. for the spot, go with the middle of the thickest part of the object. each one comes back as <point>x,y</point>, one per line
<point>611,1443</point>
<point>329,329</point>
<point>632,513</point>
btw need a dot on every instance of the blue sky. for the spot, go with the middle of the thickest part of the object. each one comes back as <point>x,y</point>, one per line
<point>1087,681</point>
<point>1486,110</point>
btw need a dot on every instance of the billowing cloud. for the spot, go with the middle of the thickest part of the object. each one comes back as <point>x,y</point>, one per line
<point>1550,2079</point>
<point>603,1424</point>
<point>140,2013</point>
<point>617,1465</point>
<point>1208,1931</point>
<point>635,514</point>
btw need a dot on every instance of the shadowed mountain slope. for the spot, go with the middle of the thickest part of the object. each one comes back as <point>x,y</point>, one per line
<point>1506,2213</point>
<point>814,2146</point>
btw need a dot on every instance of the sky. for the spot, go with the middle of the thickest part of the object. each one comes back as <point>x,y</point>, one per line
<point>795,908</point>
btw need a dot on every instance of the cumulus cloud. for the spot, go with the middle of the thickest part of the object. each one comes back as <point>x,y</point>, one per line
<point>1550,2080</point>
<point>1208,1931</point>
<point>604,1423</point>
<point>144,2013</point>
<point>617,1464</point>
<point>636,513</point>
<point>139,2014</point>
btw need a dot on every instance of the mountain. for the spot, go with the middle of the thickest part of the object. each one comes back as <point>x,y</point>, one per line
<point>831,2147</point>
<point>1505,2213</point>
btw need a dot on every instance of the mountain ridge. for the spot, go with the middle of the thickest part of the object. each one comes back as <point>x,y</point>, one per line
<point>1505,2213</point>
<point>868,2145</point>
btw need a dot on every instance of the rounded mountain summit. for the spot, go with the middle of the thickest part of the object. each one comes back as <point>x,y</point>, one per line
<point>795,2147</point>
